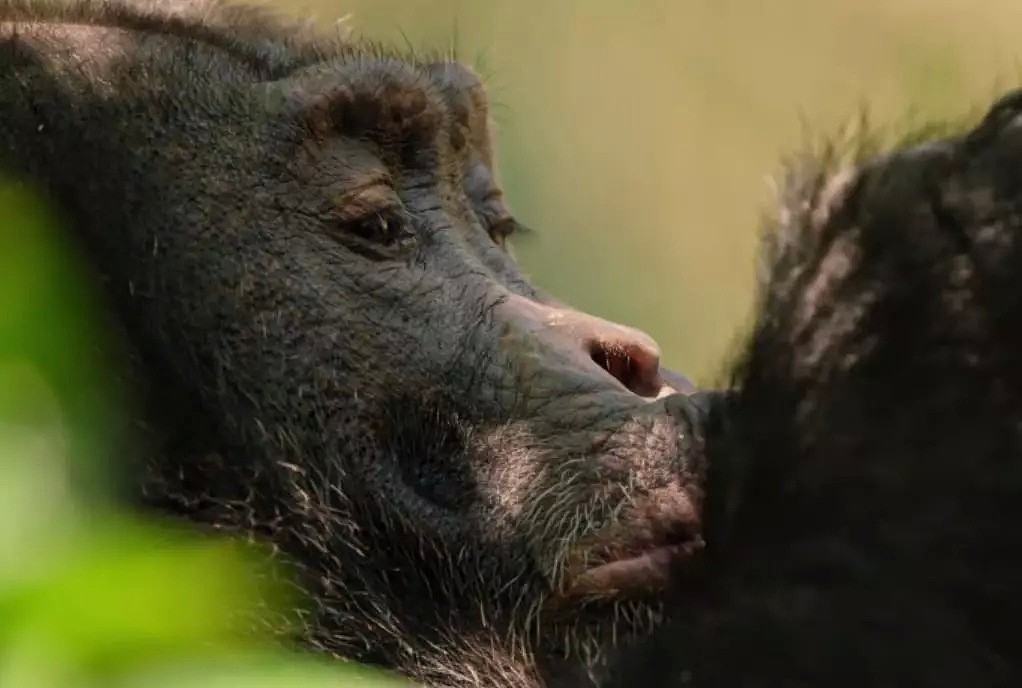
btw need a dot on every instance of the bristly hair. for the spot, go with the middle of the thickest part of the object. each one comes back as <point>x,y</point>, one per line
<point>255,31</point>
<point>807,184</point>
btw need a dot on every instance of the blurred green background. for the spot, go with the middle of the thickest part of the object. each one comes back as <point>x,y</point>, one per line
<point>638,136</point>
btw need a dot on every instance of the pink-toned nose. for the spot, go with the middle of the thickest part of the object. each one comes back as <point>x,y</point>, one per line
<point>633,359</point>
<point>628,355</point>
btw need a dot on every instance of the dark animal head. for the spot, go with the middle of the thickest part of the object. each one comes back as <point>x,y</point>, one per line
<point>864,495</point>
<point>306,244</point>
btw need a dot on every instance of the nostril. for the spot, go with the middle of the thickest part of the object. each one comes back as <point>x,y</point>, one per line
<point>636,368</point>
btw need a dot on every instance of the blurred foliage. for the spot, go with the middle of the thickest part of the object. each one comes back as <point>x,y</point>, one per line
<point>90,596</point>
<point>638,137</point>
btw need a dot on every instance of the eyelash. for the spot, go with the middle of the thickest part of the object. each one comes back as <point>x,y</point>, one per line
<point>391,227</point>
<point>501,231</point>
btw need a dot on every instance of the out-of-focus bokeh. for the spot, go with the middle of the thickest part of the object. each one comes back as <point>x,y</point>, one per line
<point>638,136</point>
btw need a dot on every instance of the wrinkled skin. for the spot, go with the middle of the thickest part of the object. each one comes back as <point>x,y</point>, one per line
<point>303,244</point>
<point>864,503</point>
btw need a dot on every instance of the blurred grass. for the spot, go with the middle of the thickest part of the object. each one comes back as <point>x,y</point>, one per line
<point>638,135</point>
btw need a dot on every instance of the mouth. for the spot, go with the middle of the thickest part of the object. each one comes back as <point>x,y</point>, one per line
<point>648,573</point>
<point>620,568</point>
<point>650,546</point>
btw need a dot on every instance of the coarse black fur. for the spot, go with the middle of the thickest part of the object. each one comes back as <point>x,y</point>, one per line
<point>864,522</point>
<point>303,244</point>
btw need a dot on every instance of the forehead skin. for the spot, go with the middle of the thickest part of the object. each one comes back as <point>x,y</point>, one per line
<point>470,135</point>
<point>432,115</point>
<point>468,106</point>
<point>434,109</point>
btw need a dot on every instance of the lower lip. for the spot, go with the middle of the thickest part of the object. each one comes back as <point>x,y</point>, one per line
<point>646,573</point>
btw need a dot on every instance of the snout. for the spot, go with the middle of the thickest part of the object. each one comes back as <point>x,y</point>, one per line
<point>582,346</point>
<point>613,498</point>
<point>656,530</point>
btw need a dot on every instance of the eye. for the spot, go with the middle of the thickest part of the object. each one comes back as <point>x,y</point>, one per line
<point>391,227</point>
<point>500,224</point>
<point>501,230</point>
<point>370,218</point>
